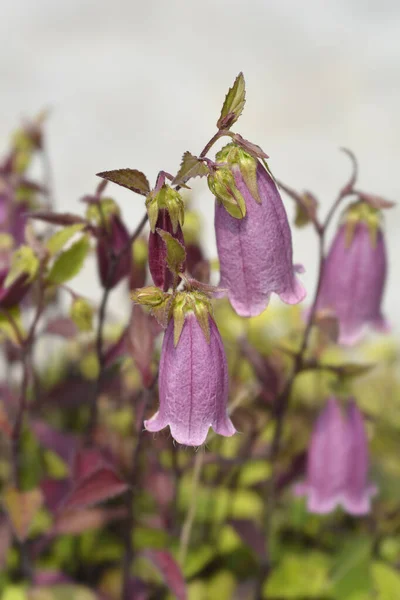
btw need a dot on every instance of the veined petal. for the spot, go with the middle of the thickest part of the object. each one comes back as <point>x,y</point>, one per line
<point>193,385</point>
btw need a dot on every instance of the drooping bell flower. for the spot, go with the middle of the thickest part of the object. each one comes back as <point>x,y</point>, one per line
<point>193,375</point>
<point>337,463</point>
<point>253,235</point>
<point>112,240</point>
<point>354,274</point>
<point>166,212</point>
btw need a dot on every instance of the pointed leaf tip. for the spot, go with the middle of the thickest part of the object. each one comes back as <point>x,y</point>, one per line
<point>129,178</point>
<point>233,104</point>
<point>176,253</point>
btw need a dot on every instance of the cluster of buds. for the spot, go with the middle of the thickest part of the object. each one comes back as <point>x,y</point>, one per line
<point>253,235</point>
<point>354,273</point>
<point>337,466</point>
<point>166,213</point>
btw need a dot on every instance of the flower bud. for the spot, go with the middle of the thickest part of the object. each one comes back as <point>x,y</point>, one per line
<point>337,464</point>
<point>354,274</point>
<point>113,238</point>
<point>255,252</point>
<point>160,273</point>
<point>12,294</point>
<point>193,376</point>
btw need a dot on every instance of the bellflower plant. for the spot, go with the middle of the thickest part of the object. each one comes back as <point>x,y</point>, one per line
<point>136,405</point>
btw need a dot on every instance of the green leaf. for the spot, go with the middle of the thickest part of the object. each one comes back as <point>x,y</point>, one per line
<point>70,262</point>
<point>299,575</point>
<point>129,178</point>
<point>386,581</point>
<point>57,241</point>
<point>191,166</point>
<point>234,104</point>
<point>176,253</point>
<point>24,260</point>
<point>351,572</point>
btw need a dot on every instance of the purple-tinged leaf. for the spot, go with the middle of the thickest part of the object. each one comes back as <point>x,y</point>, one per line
<point>60,442</point>
<point>5,540</point>
<point>191,167</point>
<point>129,178</point>
<point>252,149</point>
<point>57,218</point>
<point>54,491</point>
<point>102,484</point>
<point>376,201</point>
<point>75,522</point>
<point>49,577</point>
<point>61,326</point>
<point>170,571</point>
<point>233,104</point>
<point>140,342</point>
<point>250,534</point>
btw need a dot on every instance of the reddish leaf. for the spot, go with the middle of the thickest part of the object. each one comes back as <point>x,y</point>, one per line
<point>75,522</point>
<point>54,491</point>
<point>140,342</point>
<point>62,326</point>
<point>376,201</point>
<point>129,178</point>
<point>57,218</point>
<point>102,484</point>
<point>249,147</point>
<point>170,571</point>
<point>86,461</point>
<point>250,534</point>
<point>5,540</point>
<point>49,577</point>
<point>60,442</point>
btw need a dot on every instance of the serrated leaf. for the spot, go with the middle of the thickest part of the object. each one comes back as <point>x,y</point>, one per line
<point>191,166</point>
<point>176,253</point>
<point>57,241</point>
<point>129,178</point>
<point>70,262</point>
<point>21,508</point>
<point>234,104</point>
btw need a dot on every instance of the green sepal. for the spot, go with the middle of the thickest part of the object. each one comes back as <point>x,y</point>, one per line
<point>176,253</point>
<point>362,212</point>
<point>222,185</point>
<point>101,212</point>
<point>23,261</point>
<point>156,300</point>
<point>236,157</point>
<point>152,210</point>
<point>169,199</point>
<point>191,301</point>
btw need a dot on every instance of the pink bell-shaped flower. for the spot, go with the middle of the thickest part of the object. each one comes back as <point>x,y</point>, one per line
<point>337,464</point>
<point>193,376</point>
<point>253,236</point>
<point>354,275</point>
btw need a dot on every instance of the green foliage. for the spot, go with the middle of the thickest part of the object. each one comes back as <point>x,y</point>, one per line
<point>233,104</point>
<point>68,264</point>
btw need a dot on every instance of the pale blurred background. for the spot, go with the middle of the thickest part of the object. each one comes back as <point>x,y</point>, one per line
<point>134,84</point>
